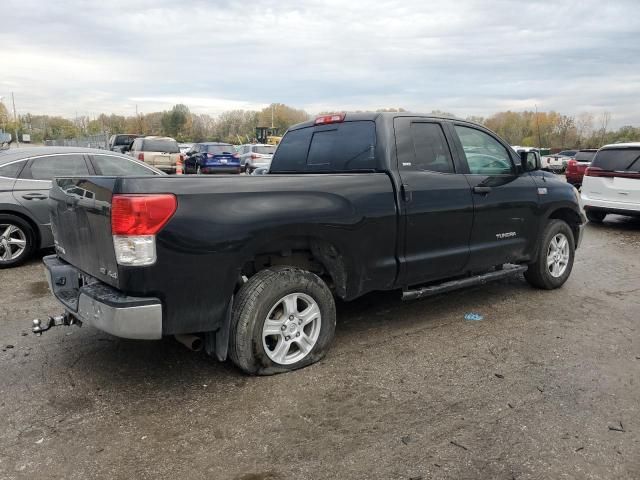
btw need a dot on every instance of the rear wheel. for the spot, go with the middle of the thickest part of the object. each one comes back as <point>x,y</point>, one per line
<point>595,216</point>
<point>554,259</point>
<point>283,319</point>
<point>17,241</point>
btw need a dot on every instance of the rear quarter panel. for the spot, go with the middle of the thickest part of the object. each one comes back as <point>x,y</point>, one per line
<point>221,222</point>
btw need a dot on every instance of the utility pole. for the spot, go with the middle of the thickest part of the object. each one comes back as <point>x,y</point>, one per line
<point>538,125</point>
<point>272,107</point>
<point>15,119</point>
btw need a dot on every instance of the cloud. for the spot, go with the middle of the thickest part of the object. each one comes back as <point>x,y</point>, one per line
<point>466,57</point>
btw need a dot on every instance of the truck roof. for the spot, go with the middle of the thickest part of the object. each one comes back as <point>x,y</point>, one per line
<point>373,116</point>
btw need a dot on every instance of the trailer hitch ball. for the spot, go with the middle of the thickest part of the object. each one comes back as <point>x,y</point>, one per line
<point>40,326</point>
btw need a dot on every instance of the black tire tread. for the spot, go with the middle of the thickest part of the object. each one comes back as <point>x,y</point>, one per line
<point>537,274</point>
<point>247,302</point>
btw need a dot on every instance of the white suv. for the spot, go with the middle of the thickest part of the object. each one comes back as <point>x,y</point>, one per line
<point>611,184</point>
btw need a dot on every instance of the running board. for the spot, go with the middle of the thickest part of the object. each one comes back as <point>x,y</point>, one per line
<point>507,270</point>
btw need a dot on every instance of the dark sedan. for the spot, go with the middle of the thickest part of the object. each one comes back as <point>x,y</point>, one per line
<point>25,180</point>
<point>212,157</point>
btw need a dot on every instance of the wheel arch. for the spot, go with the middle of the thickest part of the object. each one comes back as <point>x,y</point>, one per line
<point>311,253</point>
<point>569,216</point>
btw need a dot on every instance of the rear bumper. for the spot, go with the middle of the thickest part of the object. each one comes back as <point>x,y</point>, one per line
<point>102,306</point>
<point>623,208</point>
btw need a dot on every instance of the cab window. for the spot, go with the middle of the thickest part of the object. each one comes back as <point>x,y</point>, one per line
<point>484,154</point>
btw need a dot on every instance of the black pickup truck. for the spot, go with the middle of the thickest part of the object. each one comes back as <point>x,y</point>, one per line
<point>247,267</point>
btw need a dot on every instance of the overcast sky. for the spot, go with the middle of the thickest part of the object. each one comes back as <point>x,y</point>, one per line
<point>467,57</point>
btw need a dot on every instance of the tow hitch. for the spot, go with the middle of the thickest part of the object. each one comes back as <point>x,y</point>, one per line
<point>59,320</point>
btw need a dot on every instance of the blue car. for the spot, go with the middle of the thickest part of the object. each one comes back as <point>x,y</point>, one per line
<point>212,157</point>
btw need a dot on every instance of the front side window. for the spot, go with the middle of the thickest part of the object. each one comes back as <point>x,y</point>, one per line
<point>45,168</point>
<point>431,152</point>
<point>110,165</point>
<point>484,154</point>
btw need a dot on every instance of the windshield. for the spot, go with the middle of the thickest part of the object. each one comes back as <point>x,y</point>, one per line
<point>618,159</point>
<point>160,145</point>
<point>221,149</point>
<point>264,150</point>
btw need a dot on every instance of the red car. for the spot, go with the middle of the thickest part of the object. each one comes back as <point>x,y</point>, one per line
<point>578,164</point>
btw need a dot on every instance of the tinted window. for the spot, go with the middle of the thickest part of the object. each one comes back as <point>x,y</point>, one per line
<point>45,168</point>
<point>12,170</point>
<point>264,150</point>
<point>340,147</point>
<point>124,139</point>
<point>115,166</point>
<point>567,153</point>
<point>430,148</point>
<point>219,149</point>
<point>618,159</point>
<point>485,155</point>
<point>585,156</point>
<point>160,145</point>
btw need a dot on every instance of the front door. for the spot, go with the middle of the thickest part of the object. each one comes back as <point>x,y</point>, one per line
<point>436,203</point>
<point>505,201</point>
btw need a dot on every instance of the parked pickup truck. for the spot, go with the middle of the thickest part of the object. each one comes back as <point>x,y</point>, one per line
<point>247,267</point>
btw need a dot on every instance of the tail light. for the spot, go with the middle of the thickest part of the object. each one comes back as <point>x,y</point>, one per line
<point>135,221</point>
<point>327,119</point>
<point>235,155</point>
<point>141,156</point>
<point>181,158</point>
<point>571,165</point>
<point>254,156</point>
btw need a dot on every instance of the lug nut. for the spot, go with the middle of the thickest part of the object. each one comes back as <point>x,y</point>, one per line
<point>287,337</point>
<point>283,328</point>
<point>300,322</point>
<point>290,317</point>
<point>298,334</point>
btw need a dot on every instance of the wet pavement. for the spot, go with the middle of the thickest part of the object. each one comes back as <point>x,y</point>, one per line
<point>545,385</point>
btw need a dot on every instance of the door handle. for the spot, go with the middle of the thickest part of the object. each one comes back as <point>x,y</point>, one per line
<point>482,190</point>
<point>406,193</point>
<point>34,196</point>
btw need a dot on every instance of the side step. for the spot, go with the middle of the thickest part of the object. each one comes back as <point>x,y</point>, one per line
<point>507,270</point>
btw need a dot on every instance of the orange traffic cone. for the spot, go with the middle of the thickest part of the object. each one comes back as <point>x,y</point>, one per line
<point>179,166</point>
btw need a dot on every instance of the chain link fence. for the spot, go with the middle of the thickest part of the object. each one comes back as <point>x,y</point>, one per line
<point>92,141</point>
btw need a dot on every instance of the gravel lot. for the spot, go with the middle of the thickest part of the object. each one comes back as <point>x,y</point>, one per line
<point>546,386</point>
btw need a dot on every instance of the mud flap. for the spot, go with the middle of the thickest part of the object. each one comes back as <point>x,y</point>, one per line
<point>217,342</point>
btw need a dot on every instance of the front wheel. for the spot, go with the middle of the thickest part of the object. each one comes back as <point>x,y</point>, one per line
<point>283,319</point>
<point>554,260</point>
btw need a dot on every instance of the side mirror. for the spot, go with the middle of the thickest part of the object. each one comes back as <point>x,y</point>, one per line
<point>529,161</point>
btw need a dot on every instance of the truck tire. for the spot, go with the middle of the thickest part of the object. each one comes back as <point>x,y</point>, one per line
<point>283,318</point>
<point>595,216</point>
<point>17,241</point>
<point>554,259</point>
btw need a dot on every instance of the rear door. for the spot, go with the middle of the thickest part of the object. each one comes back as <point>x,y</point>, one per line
<point>31,189</point>
<point>437,208</point>
<point>505,201</point>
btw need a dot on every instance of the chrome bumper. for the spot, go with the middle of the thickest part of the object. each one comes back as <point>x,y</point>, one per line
<point>102,306</point>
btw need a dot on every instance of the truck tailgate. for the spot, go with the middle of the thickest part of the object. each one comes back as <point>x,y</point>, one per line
<point>81,223</point>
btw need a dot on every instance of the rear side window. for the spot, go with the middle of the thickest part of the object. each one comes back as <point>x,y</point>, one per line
<point>11,170</point>
<point>110,165</point>
<point>585,156</point>
<point>45,168</point>
<point>618,159</point>
<point>431,152</point>
<point>341,147</point>
<point>159,145</point>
